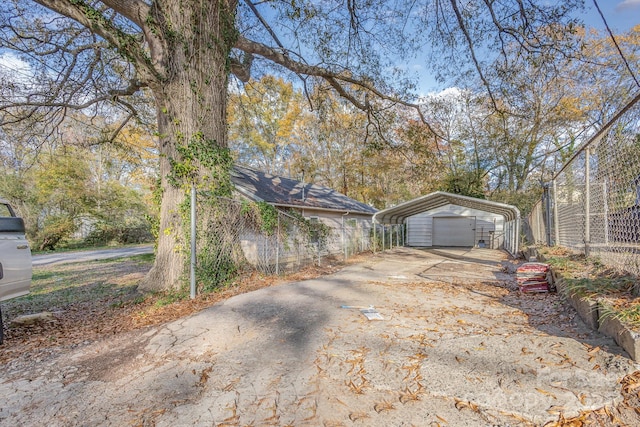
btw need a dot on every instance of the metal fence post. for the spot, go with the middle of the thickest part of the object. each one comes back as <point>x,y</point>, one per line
<point>605,200</point>
<point>278,247</point>
<point>556,219</point>
<point>193,242</point>
<point>375,238</point>
<point>344,243</point>
<point>587,202</point>
<point>405,233</point>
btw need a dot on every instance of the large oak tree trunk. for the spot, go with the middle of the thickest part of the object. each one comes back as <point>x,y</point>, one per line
<point>191,103</point>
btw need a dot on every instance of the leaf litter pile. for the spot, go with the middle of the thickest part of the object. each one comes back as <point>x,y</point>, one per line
<point>546,312</point>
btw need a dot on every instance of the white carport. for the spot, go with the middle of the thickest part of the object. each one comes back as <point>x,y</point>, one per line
<point>445,219</point>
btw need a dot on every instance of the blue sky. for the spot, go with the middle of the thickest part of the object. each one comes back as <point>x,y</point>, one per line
<point>621,15</point>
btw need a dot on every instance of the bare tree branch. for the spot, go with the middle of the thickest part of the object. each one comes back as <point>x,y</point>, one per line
<point>332,77</point>
<point>128,45</point>
<point>123,123</point>
<point>463,28</point>
<point>112,95</point>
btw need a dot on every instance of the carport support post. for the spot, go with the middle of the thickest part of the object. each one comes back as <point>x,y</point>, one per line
<point>384,231</point>
<point>193,241</point>
<point>517,233</point>
<point>547,213</point>
<point>587,202</point>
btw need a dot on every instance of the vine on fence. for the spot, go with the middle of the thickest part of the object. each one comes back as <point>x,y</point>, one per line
<point>207,165</point>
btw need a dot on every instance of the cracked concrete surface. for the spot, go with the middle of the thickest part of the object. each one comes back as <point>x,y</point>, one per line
<point>456,346</point>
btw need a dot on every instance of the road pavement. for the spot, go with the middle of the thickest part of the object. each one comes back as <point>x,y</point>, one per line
<point>91,255</point>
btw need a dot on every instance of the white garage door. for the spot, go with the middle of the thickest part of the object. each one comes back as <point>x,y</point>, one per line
<point>454,231</point>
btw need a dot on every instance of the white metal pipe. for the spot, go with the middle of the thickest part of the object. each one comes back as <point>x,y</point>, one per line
<point>587,202</point>
<point>193,242</point>
<point>556,219</point>
<point>278,247</point>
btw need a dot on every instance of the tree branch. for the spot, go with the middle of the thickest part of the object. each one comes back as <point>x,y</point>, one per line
<point>128,45</point>
<point>476,63</point>
<point>134,10</point>
<point>112,95</point>
<point>332,77</point>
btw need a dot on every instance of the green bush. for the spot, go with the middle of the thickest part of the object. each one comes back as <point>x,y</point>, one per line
<point>56,229</point>
<point>120,233</point>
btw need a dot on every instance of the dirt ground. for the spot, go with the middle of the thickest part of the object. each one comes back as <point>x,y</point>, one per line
<point>457,345</point>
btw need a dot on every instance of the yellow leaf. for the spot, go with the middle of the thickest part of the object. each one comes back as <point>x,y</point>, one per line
<point>556,409</point>
<point>546,393</point>
<point>593,351</point>
<point>442,419</point>
<point>461,404</point>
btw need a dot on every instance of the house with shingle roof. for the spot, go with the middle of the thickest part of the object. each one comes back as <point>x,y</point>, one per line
<point>309,199</point>
<point>349,219</point>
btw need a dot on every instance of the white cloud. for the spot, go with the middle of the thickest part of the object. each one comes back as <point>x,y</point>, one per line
<point>450,94</point>
<point>627,4</point>
<point>11,64</point>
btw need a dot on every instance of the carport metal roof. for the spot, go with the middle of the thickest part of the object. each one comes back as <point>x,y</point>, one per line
<point>397,214</point>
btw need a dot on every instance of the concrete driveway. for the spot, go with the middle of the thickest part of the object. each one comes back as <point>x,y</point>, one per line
<point>455,346</point>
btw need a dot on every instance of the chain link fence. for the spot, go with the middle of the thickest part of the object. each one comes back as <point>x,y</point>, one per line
<point>388,236</point>
<point>272,241</point>
<point>534,226</point>
<point>593,204</point>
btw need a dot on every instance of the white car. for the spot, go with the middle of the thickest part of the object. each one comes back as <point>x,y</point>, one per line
<point>15,257</point>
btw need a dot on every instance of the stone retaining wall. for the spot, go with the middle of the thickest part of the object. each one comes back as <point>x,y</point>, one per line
<point>589,311</point>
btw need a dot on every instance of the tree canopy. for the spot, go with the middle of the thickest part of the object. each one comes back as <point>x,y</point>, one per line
<point>132,60</point>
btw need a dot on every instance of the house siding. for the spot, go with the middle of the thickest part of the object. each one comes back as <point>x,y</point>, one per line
<point>355,227</point>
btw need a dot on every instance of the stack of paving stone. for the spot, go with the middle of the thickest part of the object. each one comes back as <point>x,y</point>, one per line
<point>533,277</point>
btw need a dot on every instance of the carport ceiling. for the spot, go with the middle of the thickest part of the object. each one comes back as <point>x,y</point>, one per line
<point>397,214</point>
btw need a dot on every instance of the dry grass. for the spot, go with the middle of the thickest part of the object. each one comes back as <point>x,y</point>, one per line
<point>589,278</point>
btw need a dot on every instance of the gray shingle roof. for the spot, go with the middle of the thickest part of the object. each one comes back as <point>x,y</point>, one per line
<point>282,191</point>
